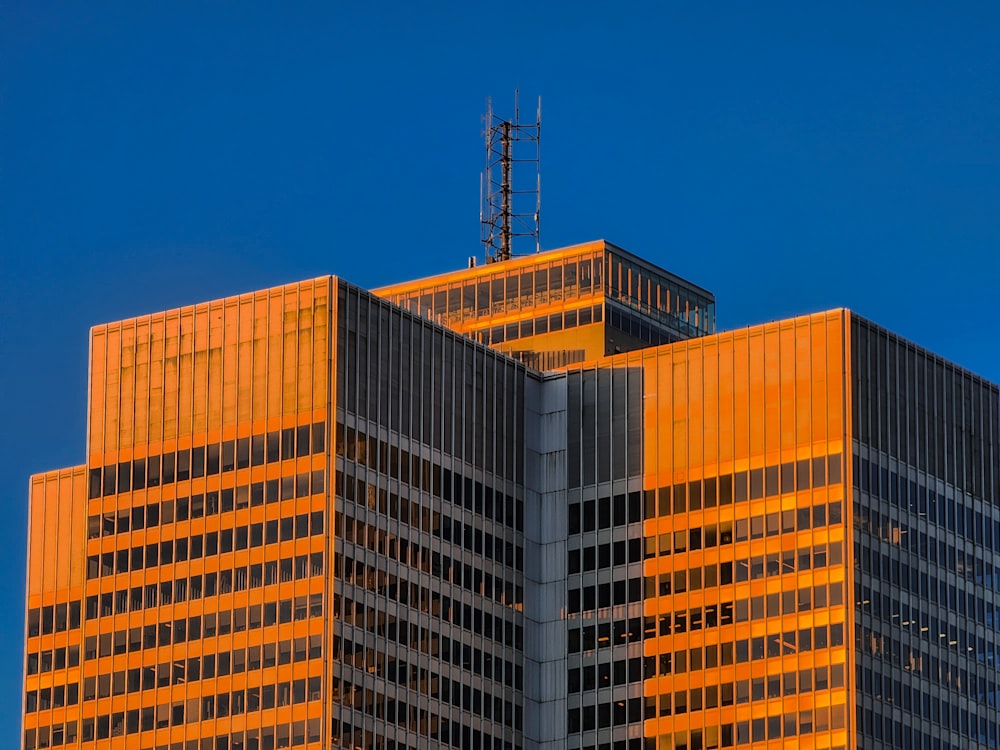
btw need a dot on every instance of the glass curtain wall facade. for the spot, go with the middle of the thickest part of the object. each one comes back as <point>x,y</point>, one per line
<point>311,517</point>
<point>706,526</point>
<point>926,531</point>
<point>428,599</point>
<point>745,536</point>
<point>178,584</point>
<point>57,518</point>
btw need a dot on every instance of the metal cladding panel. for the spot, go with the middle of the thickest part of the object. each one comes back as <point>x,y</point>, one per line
<point>545,562</point>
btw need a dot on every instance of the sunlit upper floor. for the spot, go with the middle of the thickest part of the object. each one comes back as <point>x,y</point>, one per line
<point>563,306</point>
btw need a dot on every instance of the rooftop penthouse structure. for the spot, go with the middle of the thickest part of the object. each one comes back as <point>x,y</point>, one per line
<point>563,306</point>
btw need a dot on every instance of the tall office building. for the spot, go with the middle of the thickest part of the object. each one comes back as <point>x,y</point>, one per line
<point>533,504</point>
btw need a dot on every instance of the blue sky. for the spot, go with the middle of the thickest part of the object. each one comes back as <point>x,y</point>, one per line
<point>790,157</point>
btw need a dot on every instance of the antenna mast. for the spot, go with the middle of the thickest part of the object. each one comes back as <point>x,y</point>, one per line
<point>510,206</point>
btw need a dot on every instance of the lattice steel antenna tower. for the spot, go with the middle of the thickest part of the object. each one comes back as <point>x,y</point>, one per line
<point>510,204</point>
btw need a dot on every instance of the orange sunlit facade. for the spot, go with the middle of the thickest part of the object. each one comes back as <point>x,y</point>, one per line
<point>185,562</point>
<point>539,503</point>
<point>745,569</point>
<point>57,507</point>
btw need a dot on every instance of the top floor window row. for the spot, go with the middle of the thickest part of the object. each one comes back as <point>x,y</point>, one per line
<point>515,289</point>
<point>653,294</point>
<point>205,460</point>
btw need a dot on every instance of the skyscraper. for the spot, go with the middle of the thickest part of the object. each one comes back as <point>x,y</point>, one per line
<point>538,503</point>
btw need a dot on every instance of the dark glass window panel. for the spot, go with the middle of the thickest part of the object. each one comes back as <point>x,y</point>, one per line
<point>95,483</point>
<point>273,447</point>
<point>834,473</point>
<point>168,463</point>
<point>124,477</point>
<point>139,474</point>
<point>302,439</point>
<point>318,437</point>
<point>212,459</point>
<point>229,455</point>
<point>198,462</point>
<point>288,443</point>
<point>243,453</point>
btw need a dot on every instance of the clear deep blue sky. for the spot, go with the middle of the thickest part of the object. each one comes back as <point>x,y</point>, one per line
<point>791,157</point>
